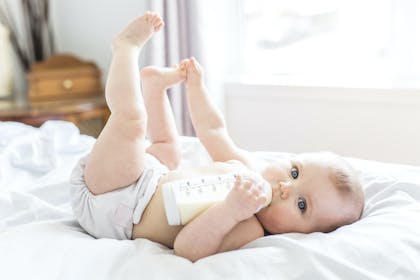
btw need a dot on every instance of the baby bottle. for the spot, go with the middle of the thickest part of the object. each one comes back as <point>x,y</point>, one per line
<point>186,199</point>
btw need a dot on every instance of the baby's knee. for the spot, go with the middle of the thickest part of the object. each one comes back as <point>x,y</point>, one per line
<point>135,130</point>
<point>129,129</point>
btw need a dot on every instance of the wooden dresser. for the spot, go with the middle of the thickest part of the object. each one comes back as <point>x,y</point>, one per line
<point>89,114</point>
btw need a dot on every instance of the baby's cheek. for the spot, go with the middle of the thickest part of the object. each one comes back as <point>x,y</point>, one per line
<point>278,214</point>
<point>286,216</point>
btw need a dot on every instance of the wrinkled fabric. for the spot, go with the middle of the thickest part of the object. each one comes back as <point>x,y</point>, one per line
<point>41,239</point>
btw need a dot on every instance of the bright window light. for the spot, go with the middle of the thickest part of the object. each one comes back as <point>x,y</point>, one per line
<point>331,40</point>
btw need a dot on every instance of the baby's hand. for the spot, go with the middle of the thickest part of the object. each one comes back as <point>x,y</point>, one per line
<point>194,73</point>
<point>245,198</point>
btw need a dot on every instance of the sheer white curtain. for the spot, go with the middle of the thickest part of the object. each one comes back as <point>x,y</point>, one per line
<point>181,38</point>
<point>351,42</point>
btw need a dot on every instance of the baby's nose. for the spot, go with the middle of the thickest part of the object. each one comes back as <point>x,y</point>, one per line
<point>286,189</point>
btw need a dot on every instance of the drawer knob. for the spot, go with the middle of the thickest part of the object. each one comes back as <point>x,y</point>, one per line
<point>67,84</point>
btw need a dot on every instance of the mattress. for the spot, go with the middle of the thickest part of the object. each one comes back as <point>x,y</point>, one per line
<point>40,238</point>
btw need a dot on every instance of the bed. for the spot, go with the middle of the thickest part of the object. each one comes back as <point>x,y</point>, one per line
<point>40,239</point>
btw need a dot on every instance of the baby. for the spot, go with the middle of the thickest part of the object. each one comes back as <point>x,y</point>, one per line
<point>116,189</point>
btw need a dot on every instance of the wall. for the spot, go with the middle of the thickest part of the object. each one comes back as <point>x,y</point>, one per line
<point>20,87</point>
<point>375,124</point>
<point>86,28</point>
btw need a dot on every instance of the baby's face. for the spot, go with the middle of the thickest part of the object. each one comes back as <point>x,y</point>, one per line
<point>304,199</point>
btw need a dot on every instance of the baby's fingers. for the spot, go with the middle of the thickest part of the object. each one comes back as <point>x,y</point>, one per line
<point>258,194</point>
<point>242,183</point>
<point>255,190</point>
<point>262,198</point>
<point>238,183</point>
<point>260,201</point>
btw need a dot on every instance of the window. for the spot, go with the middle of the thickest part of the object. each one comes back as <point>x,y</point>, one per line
<point>366,42</point>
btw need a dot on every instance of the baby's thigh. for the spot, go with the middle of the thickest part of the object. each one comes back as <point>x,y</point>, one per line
<point>118,156</point>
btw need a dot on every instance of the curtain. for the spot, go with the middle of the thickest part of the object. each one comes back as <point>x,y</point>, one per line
<point>35,43</point>
<point>179,39</point>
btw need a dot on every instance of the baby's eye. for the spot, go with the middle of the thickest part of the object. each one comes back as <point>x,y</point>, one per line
<point>294,172</point>
<point>301,204</point>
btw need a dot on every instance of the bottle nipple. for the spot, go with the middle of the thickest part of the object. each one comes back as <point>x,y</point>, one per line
<point>268,193</point>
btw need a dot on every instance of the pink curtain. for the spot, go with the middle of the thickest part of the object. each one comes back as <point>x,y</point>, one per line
<point>180,39</point>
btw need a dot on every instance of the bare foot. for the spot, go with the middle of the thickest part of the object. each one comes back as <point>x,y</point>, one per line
<point>194,74</point>
<point>162,78</point>
<point>136,33</point>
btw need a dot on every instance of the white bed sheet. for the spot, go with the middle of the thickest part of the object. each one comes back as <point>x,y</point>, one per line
<point>40,239</point>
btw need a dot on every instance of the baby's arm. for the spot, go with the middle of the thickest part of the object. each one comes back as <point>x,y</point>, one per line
<point>208,121</point>
<point>225,226</point>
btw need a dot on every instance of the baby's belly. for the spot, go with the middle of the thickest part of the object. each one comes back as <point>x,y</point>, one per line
<point>153,224</point>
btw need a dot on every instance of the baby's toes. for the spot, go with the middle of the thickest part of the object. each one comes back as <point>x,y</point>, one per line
<point>196,66</point>
<point>151,16</point>
<point>194,63</point>
<point>147,16</point>
<point>184,61</point>
<point>183,64</point>
<point>157,22</point>
<point>159,26</point>
<point>192,66</point>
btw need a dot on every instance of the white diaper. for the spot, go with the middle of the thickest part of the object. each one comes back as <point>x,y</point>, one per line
<point>112,214</point>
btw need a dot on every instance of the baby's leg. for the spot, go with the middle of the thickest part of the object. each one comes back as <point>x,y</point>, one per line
<point>205,116</point>
<point>207,119</point>
<point>117,157</point>
<point>161,126</point>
